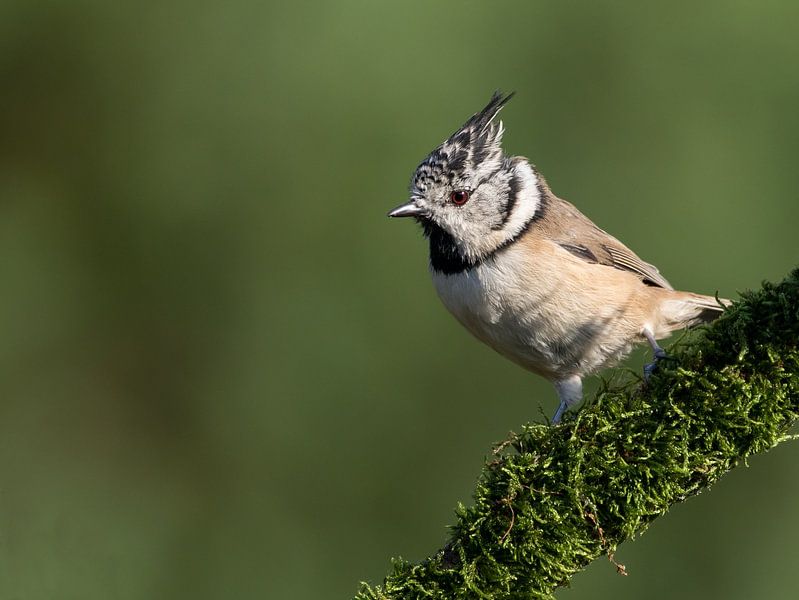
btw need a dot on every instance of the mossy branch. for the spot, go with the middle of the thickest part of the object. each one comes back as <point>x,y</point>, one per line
<point>552,499</point>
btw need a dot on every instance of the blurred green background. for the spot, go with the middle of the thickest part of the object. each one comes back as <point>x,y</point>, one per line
<point>225,374</point>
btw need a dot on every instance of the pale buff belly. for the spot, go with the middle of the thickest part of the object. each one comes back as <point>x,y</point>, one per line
<point>554,325</point>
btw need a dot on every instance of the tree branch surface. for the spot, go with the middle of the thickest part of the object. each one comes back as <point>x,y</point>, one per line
<point>552,499</point>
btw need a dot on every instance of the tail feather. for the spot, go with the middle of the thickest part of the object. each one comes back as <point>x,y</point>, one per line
<point>685,309</point>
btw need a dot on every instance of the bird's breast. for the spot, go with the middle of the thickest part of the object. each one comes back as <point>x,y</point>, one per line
<point>489,301</point>
<point>551,320</point>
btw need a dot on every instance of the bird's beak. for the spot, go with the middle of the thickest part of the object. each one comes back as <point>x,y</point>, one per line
<point>411,209</point>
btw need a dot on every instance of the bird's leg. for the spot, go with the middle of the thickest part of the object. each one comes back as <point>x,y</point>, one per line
<point>570,392</point>
<point>657,352</point>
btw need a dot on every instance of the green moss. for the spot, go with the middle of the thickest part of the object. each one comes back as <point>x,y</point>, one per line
<point>551,500</point>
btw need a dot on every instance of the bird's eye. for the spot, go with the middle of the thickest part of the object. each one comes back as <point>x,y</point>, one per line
<point>459,197</point>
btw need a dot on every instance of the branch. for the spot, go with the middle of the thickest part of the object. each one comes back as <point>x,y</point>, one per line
<point>552,499</point>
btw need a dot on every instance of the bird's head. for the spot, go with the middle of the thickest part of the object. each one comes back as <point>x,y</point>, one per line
<point>468,196</point>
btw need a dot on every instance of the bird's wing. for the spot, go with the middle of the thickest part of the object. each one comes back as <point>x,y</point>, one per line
<point>575,232</point>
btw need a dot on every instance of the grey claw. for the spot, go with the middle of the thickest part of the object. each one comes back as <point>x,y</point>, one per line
<point>559,413</point>
<point>650,368</point>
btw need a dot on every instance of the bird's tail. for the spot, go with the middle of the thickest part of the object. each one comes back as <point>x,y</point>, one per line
<point>685,309</point>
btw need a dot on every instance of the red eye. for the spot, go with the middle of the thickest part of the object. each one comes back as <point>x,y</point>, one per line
<point>459,197</point>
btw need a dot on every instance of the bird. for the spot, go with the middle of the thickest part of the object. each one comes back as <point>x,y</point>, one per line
<point>531,276</point>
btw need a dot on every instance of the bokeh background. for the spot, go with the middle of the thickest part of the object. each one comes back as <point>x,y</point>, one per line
<point>225,374</point>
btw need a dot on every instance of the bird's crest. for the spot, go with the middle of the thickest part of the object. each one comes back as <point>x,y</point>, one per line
<point>475,147</point>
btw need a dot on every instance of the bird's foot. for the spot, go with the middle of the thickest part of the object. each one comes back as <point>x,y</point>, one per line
<point>559,413</point>
<point>570,392</point>
<point>650,368</point>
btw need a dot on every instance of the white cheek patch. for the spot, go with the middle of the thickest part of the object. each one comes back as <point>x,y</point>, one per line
<point>528,199</point>
<point>477,243</point>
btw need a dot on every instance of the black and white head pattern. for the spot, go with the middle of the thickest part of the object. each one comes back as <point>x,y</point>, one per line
<point>475,199</point>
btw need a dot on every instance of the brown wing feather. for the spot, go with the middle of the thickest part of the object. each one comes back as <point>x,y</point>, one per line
<point>575,232</point>
<point>624,258</point>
